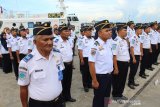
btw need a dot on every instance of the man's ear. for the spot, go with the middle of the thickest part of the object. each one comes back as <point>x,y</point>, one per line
<point>34,41</point>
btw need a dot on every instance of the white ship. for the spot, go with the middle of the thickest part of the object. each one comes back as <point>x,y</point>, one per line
<point>8,19</point>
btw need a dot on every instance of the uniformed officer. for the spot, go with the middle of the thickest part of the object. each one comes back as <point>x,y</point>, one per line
<point>114,32</point>
<point>80,36</point>
<point>84,47</point>
<point>27,33</point>
<point>158,32</point>
<point>121,62</point>
<point>8,32</point>
<point>30,44</point>
<point>154,42</point>
<point>62,43</point>
<point>101,64</point>
<point>146,44</point>
<point>74,38</point>
<point>56,33</point>
<point>130,29</point>
<point>22,47</point>
<point>4,54</point>
<point>12,46</point>
<point>135,51</point>
<point>40,72</point>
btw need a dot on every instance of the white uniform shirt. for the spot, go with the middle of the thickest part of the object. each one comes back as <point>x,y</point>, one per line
<point>135,43</point>
<point>55,36</point>
<point>28,35</point>
<point>2,49</point>
<point>30,43</point>
<point>153,36</point>
<point>41,75</point>
<point>12,43</point>
<point>85,44</point>
<point>121,49</point>
<point>130,32</point>
<point>80,37</point>
<point>73,34</point>
<point>158,37</point>
<point>65,48</point>
<point>23,45</point>
<point>101,54</point>
<point>145,40</point>
<point>8,35</point>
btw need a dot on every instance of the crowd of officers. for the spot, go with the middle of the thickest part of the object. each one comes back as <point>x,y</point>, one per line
<point>106,51</point>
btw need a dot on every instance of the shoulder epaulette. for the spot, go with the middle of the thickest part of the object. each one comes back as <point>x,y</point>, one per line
<point>27,58</point>
<point>31,36</point>
<point>56,40</point>
<point>115,39</point>
<point>56,50</point>
<point>96,43</point>
<point>18,38</point>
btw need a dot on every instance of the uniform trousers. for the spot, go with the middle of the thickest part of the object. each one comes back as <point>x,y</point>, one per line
<point>6,63</point>
<point>118,81</point>
<point>15,64</point>
<point>157,52</point>
<point>86,77</point>
<point>67,80</point>
<point>145,61</point>
<point>102,94</point>
<point>133,69</point>
<point>154,54</point>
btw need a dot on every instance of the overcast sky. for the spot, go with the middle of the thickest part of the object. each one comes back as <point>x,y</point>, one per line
<point>88,10</point>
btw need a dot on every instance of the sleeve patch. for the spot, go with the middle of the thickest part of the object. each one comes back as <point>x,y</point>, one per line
<point>93,52</point>
<point>133,41</point>
<point>114,46</point>
<point>22,75</point>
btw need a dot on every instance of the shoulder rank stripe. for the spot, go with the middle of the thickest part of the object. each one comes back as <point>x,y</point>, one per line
<point>28,57</point>
<point>56,40</point>
<point>96,43</point>
<point>55,50</point>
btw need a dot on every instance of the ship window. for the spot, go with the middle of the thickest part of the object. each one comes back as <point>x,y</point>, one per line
<point>75,19</point>
<point>1,23</point>
<point>30,24</point>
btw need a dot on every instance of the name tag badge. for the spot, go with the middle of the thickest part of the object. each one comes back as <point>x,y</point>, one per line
<point>60,75</point>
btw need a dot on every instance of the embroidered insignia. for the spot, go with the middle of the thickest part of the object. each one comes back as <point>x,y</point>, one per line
<point>100,48</point>
<point>114,46</point>
<point>22,75</point>
<point>96,43</point>
<point>93,51</point>
<point>133,41</point>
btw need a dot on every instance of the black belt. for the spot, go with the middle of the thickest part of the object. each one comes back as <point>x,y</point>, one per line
<point>68,63</point>
<point>52,101</point>
<point>104,74</point>
<point>123,61</point>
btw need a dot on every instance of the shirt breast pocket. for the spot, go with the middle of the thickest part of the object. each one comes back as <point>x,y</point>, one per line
<point>102,53</point>
<point>39,75</point>
<point>21,44</point>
